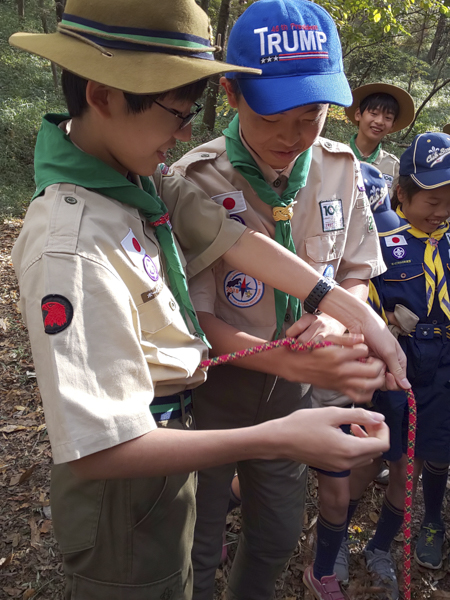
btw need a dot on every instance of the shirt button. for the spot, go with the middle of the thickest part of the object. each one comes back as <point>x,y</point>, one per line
<point>328,144</point>
<point>277,183</point>
<point>434,322</point>
<point>204,155</point>
<point>403,275</point>
<point>70,200</point>
<point>172,304</point>
<point>287,318</point>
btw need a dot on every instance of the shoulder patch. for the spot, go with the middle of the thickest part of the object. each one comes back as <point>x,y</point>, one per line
<point>166,171</point>
<point>57,313</point>
<point>234,202</point>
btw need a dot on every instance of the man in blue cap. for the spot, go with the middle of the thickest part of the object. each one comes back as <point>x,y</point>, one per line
<point>272,172</point>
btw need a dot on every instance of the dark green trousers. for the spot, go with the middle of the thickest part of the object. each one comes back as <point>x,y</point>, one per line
<point>273,492</point>
<point>125,539</point>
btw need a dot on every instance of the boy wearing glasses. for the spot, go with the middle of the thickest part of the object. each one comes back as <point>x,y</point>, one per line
<point>112,328</point>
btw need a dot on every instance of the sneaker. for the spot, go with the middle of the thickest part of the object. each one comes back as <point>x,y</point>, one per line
<point>429,546</point>
<point>383,474</point>
<point>341,564</point>
<point>325,589</point>
<point>381,566</point>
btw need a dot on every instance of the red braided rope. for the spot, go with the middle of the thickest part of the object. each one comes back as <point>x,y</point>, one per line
<point>162,221</point>
<point>298,347</point>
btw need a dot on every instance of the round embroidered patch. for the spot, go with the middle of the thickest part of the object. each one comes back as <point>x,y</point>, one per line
<point>398,252</point>
<point>241,290</point>
<point>150,268</point>
<point>237,218</point>
<point>329,271</point>
<point>57,313</point>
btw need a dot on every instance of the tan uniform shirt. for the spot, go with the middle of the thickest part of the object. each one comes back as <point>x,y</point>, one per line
<point>127,340</point>
<point>389,165</point>
<point>332,227</point>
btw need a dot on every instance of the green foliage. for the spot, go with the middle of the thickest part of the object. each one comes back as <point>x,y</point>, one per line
<point>26,93</point>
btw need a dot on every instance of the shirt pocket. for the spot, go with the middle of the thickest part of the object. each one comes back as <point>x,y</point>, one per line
<point>403,273</point>
<point>158,309</point>
<point>323,248</point>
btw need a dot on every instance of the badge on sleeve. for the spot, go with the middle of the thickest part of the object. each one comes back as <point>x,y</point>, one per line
<point>138,257</point>
<point>395,240</point>
<point>332,215</point>
<point>234,202</point>
<point>329,271</point>
<point>388,179</point>
<point>241,290</point>
<point>57,313</point>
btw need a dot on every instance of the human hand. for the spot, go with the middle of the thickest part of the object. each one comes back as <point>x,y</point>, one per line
<point>315,327</point>
<point>313,436</point>
<point>384,346</point>
<point>338,367</point>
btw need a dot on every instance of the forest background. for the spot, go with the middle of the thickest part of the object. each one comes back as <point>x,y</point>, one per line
<point>403,42</point>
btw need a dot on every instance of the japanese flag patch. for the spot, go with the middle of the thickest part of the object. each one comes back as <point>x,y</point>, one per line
<point>234,202</point>
<point>395,240</point>
<point>138,257</point>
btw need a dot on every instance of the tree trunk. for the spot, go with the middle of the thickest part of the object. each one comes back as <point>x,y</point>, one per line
<point>424,103</point>
<point>419,47</point>
<point>437,39</point>
<point>59,7</point>
<point>45,29</point>
<point>205,5</point>
<point>209,115</point>
<point>21,8</point>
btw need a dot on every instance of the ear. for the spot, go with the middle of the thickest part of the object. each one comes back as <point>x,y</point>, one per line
<point>357,115</point>
<point>100,97</point>
<point>401,194</point>
<point>228,87</point>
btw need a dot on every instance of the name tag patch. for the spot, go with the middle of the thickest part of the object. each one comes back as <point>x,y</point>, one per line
<point>151,294</point>
<point>395,240</point>
<point>332,215</point>
<point>241,290</point>
<point>234,202</point>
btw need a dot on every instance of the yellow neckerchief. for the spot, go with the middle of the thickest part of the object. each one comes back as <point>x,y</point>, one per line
<point>434,271</point>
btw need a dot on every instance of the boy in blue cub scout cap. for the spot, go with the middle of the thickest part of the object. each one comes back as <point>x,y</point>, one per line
<point>273,172</point>
<point>103,287</point>
<point>413,298</point>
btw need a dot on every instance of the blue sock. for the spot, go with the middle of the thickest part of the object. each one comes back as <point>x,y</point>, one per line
<point>329,539</point>
<point>352,506</point>
<point>434,482</point>
<point>389,523</point>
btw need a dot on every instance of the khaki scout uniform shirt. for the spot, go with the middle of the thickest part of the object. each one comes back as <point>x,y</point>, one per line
<point>332,227</point>
<point>389,165</point>
<point>127,341</point>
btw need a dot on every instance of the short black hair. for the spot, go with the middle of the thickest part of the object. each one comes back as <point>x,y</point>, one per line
<point>380,101</point>
<point>74,90</point>
<point>409,187</point>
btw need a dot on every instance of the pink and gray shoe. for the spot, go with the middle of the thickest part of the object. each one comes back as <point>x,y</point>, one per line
<point>326,588</point>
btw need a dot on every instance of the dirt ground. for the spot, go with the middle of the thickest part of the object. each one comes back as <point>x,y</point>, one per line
<point>30,563</point>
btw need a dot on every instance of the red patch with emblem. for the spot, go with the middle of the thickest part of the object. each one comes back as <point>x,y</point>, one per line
<point>57,313</point>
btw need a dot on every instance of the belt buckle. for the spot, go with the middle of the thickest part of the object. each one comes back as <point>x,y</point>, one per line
<point>424,331</point>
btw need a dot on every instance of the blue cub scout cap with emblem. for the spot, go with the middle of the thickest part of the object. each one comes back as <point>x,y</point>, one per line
<point>427,160</point>
<point>296,44</point>
<point>375,186</point>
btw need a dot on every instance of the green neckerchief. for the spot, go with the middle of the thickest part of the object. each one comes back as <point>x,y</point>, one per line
<point>367,159</point>
<point>58,160</point>
<point>242,161</point>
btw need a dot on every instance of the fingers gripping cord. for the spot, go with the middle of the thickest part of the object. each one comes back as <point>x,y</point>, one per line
<point>309,346</point>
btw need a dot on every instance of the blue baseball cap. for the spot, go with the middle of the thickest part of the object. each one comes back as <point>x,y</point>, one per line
<point>376,187</point>
<point>377,192</point>
<point>296,44</point>
<point>427,160</point>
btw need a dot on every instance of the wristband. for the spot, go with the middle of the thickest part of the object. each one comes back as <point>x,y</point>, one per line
<point>319,291</point>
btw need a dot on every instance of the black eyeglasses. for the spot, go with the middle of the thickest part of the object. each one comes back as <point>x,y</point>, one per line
<point>185,121</point>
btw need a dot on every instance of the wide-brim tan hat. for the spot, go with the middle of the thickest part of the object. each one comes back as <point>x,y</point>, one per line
<point>405,102</point>
<point>446,129</point>
<point>141,47</point>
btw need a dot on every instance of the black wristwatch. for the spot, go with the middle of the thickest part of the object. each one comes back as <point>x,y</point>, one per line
<point>319,291</point>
